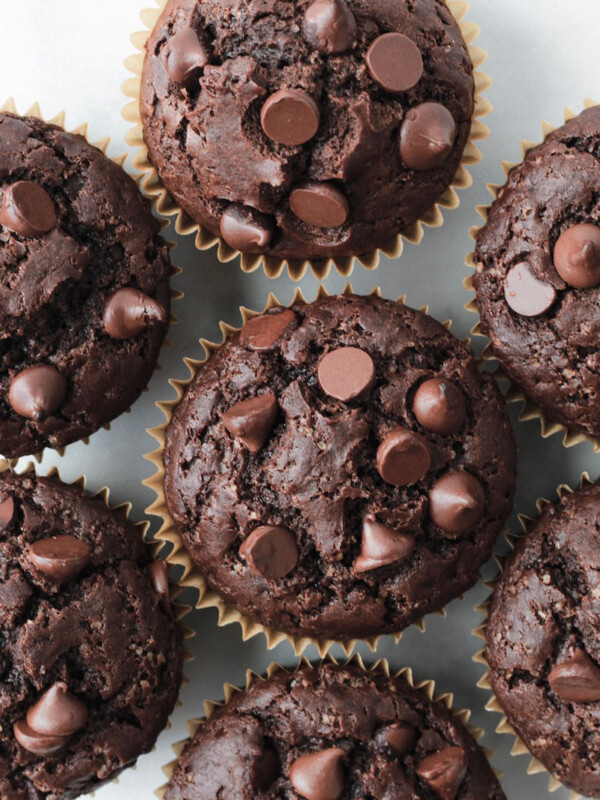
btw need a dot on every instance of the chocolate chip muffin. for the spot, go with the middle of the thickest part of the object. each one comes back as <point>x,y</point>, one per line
<point>306,130</point>
<point>90,652</point>
<point>84,288</point>
<point>341,468</point>
<point>542,640</point>
<point>538,275</point>
<point>330,734</point>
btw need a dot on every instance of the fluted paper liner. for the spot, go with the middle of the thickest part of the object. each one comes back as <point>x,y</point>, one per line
<point>103,144</point>
<point>529,410</point>
<point>168,532</point>
<point>381,666</point>
<point>273,267</point>
<point>519,747</point>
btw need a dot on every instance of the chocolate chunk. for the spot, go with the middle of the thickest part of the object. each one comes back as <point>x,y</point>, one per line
<point>37,392</point>
<point>185,56</point>
<point>37,743</point>
<point>290,116</point>
<point>27,209</point>
<point>403,457</point>
<point>427,136</point>
<point>456,501</point>
<point>60,558</point>
<point>159,576</point>
<point>319,776</point>
<point>576,680</point>
<point>7,511</point>
<point>444,771</point>
<point>346,373</point>
<point>129,312</point>
<point>262,333</point>
<point>577,256</point>
<point>329,26</point>
<point>246,229</point>
<point>526,294</point>
<point>321,205</point>
<point>270,551</point>
<point>439,406</point>
<point>57,712</point>
<point>251,421</point>
<point>381,546</point>
<point>399,738</point>
<point>395,62</point>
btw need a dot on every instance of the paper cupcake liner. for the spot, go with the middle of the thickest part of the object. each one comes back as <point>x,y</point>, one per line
<point>273,267</point>
<point>529,409</point>
<point>381,666</point>
<point>519,747</point>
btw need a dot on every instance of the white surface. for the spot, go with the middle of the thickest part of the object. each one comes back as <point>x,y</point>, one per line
<point>68,54</point>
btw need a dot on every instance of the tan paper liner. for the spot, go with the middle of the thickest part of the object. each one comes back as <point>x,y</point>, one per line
<point>381,666</point>
<point>529,410</point>
<point>273,267</point>
<point>168,532</point>
<point>519,748</point>
<point>103,144</point>
<point>180,609</point>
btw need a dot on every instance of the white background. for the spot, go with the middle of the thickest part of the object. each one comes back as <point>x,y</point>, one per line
<point>68,55</point>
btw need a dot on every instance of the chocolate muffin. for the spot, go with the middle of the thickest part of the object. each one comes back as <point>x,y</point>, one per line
<point>538,275</point>
<point>90,652</point>
<point>84,288</point>
<point>306,130</point>
<point>329,734</point>
<point>542,640</point>
<point>341,468</point>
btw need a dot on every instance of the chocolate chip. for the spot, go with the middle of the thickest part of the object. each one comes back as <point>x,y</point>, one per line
<point>159,577</point>
<point>270,551</point>
<point>27,209</point>
<point>321,205</point>
<point>290,116</point>
<point>456,501</point>
<point>399,738</point>
<point>526,294</point>
<point>57,712</point>
<point>577,256</point>
<point>403,457</point>
<point>576,680</point>
<point>427,136</point>
<point>319,776</point>
<point>444,771</point>
<point>37,392</point>
<point>251,421</point>
<point>439,406</point>
<point>329,26</point>
<point>7,511</point>
<point>36,743</point>
<point>381,546</point>
<point>129,312</point>
<point>184,57</point>
<point>246,229</point>
<point>346,373</point>
<point>395,62</point>
<point>60,558</point>
<point>262,333</point>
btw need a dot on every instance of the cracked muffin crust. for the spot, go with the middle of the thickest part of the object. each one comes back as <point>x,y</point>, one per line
<point>304,486</point>
<point>306,129</point>
<point>84,288</point>
<point>333,733</point>
<point>90,652</point>
<point>538,275</point>
<point>542,640</point>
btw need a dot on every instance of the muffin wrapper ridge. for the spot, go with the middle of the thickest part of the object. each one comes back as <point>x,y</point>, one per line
<point>519,747</point>
<point>529,410</point>
<point>103,144</point>
<point>381,667</point>
<point>273,267</point>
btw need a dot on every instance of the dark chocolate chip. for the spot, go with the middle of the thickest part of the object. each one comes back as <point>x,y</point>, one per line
<point>395,62</point>
<point>403,457</point>
<point>185,56</point>
<point>36,743</point>
<point>159,576</point>
<point>456,501</point>
<point>251,421</point>
<point>129,312</point>
<point>290,117</point>
<point>60,558</point>
<point>262,333</point>
<point>57,712</point>
<point>346,373</point>
<point>7,511</point>
<point>37,392</point>
<point>27,209</point>
<point>576,680</point>
<point>444,771</point>
<point>577,256</point>
<point>329,26</point>
<point>400,738</point>
<point>270,551</point>
<point>320,775</point>
<point>526,294</point>
<point>246,229</point>
<point>382,546</point>
<point>427,136</point>
<point>439,406</point>
<point>321,205</point>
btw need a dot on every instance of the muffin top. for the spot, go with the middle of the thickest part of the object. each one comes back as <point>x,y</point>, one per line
<point>333,733</point>
<point>340,468</point>
<point>306,129</point>
<point>542,640</point>
<point>538,274</point>
<point>84,288</point>
<point>90,652</point>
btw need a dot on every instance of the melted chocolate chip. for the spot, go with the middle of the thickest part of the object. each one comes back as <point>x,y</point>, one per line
<point>159,576</point>
<point>319,776</point>
<point>246,229</point>
<point>251,421</point>
<point>129,312</point>
<point>346,373</point>
<point>444,771</point>
<point>400,738</point>
<point>37,392</point>
<point>270,551</point>
<point>290,117</point>
<point>576,680</point>
<point>60,558</point>
<point>185,56</point>
<point>262,333</point>
<point>577,256</point>
<point>427,136</point>
<point>7,511</point>
<point>395,62</point>
<point>439,406</point>
<point>526,294</point>
<point>37,743</point>
<point>329,26</point>
<point>382,546</point>
<point>403,457</point>
<point>321,205</point>
<point>57,712</point>
<point>27,209</point>
<point>456,501</point>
